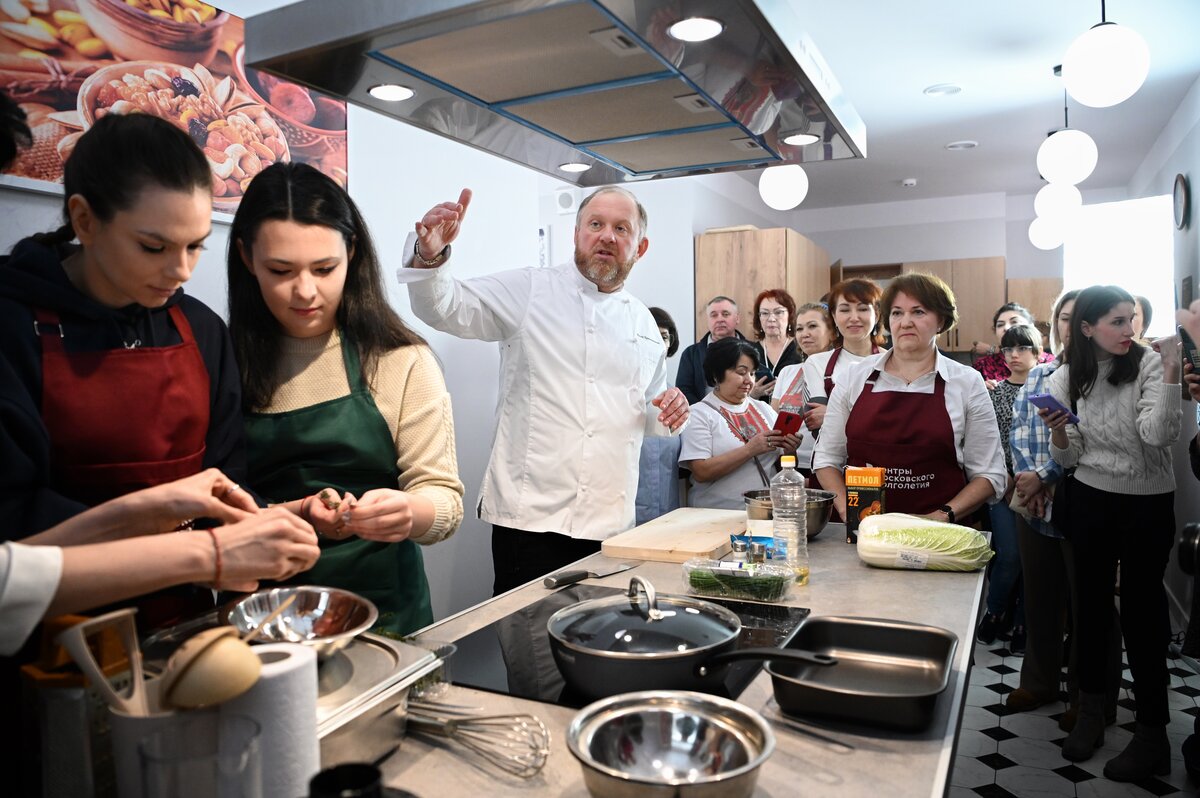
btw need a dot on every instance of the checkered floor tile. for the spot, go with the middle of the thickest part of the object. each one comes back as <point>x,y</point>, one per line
<point>1003,753</point>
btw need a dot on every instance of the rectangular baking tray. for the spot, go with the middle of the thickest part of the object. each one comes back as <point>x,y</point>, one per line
<point>889,674</point>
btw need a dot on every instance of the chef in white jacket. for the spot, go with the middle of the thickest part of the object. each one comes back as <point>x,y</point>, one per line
<point>583,378</point>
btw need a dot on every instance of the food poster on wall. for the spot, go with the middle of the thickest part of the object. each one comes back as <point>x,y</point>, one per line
<point>70,62</point>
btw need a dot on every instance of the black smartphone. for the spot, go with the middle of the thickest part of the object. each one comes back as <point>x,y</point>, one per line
<point>1190,353</point>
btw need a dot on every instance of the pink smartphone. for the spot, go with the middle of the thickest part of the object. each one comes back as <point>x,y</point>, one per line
<point>1048,402</point>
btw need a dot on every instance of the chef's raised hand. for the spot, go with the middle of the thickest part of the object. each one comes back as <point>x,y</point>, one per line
<point>440,226</point>
<point>209,494</point>
<point>382,514</point>
<point>674,407</point>
<point>273,544</point>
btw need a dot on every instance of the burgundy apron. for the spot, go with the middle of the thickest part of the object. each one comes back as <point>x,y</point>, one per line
<point>910,435</point>
<point>833,362</point>
<point>122,419</point>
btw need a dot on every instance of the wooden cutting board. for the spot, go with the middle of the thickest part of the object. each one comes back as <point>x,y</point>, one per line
<point>678,536</point>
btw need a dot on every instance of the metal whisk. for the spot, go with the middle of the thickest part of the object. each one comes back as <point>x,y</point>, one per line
<point>516,744</point>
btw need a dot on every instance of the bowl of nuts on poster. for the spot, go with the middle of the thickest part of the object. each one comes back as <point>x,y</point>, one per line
<point>238,137</point>
<point>182,31</point>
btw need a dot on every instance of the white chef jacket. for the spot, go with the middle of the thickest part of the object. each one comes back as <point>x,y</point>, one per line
<point>708,435</point>
<point>29,577</point>
<point>972,416</point>
<point>578,369</point>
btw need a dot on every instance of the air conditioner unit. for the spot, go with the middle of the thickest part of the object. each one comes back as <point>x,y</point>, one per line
<point>566,200</point>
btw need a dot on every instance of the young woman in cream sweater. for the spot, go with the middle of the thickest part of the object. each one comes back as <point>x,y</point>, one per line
<point>1121,509</point>
<point>339,392</point>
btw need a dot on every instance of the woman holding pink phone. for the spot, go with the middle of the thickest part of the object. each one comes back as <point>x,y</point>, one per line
<point>1121,510</point>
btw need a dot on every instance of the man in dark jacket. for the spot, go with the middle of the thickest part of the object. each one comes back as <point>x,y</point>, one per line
<point>723,321</point>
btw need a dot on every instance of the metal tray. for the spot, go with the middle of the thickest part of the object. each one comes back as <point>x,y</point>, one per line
<point>889,673</point>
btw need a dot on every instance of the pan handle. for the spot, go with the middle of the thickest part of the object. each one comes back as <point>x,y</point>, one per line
<point>765,654</point>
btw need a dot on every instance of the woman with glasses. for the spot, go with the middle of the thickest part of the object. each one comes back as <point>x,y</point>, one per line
<point>1020,346</point>
<point>990,362</point>
<point>774,324</point>
<point>729,444</point>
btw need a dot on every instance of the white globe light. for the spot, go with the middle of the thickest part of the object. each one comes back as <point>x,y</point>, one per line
<point>1105,65</point>
<point>1057,199</point>
<point>1068,156</point>
<point>1045,233</point>
<point>783,187</point>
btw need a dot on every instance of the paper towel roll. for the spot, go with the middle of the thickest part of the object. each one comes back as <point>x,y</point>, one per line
<point>284,702</point>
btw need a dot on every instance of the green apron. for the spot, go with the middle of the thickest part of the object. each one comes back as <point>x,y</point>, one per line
<point>344,444</point>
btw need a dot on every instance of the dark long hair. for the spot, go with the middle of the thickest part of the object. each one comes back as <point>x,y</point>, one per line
<point>1092,304</point>
<point>299,193</point>
<point>120,156</point>
<point>664,321</point>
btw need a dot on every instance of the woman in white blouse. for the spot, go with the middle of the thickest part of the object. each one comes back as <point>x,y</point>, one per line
<point>924,417</point>
<point>855,307</point>
<point>729,444</point>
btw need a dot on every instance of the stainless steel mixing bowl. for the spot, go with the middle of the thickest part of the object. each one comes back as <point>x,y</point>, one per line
<point>325,618</point>
<point>818,508</point>
<point>669,743</point>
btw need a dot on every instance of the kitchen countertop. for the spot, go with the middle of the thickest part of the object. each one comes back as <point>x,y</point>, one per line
<point>857,764</point>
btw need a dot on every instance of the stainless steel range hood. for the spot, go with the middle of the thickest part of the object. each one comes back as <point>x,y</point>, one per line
<point>547,82</point>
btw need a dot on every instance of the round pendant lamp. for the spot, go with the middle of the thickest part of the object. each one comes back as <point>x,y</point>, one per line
<point>783,187</point>
<point>1105,65</point>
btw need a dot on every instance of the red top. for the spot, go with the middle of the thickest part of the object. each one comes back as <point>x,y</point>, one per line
<point>993,367</point>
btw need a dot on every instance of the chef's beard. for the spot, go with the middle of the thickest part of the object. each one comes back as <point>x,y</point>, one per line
<point>602,273</point>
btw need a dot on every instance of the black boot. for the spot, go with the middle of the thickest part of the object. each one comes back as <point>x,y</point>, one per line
<point>1088,734</point>
<point>1148,754</point>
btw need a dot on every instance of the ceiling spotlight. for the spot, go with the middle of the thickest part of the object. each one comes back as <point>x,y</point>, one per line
<point>1057,199</point>
<point>1044,233</point>
<point>800,139</point>
<point>965,144</point>
<point>695,29</point>
<point>783,187</point>
<point>942,89</point>
<point>1106,64</point>
<point>390,92</point>
<point>574,166</point>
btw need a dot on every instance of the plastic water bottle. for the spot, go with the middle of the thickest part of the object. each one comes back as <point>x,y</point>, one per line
<point>790,519</point>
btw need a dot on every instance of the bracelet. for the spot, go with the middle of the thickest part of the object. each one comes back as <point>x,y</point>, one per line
<point>216,583</point>
<point>437,259</point>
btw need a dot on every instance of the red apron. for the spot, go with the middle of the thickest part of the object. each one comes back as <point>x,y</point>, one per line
<point>910,435</point>
<point>122,419</point>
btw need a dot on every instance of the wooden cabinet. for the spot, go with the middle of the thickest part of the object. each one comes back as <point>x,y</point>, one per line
<point>743,263</point>
<point>1036,293</point>
<point>979,290</point>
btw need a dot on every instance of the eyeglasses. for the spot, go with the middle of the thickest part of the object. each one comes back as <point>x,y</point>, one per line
<point>766,314</point>
<point>1016,350</point>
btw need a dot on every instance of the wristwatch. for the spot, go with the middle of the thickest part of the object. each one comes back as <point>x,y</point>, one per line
<point>949,511</point>
<point>438,260</point>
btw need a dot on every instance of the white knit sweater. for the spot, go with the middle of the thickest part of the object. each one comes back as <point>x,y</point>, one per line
<point>1123,441</point>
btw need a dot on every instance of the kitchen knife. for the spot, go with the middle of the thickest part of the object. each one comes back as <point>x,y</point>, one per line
<point>564,578</point>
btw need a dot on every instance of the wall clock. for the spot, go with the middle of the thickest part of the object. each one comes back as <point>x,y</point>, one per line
<point>1183,201</point>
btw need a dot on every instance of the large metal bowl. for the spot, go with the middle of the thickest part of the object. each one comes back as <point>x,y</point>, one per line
<point>669,743</point>
<point>325,618</point>
<point>818,508</point>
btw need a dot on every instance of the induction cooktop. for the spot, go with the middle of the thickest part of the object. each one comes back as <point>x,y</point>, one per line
<point>512,656</point>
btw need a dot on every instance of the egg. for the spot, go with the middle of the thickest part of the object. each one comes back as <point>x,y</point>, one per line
<point>210,668</point>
